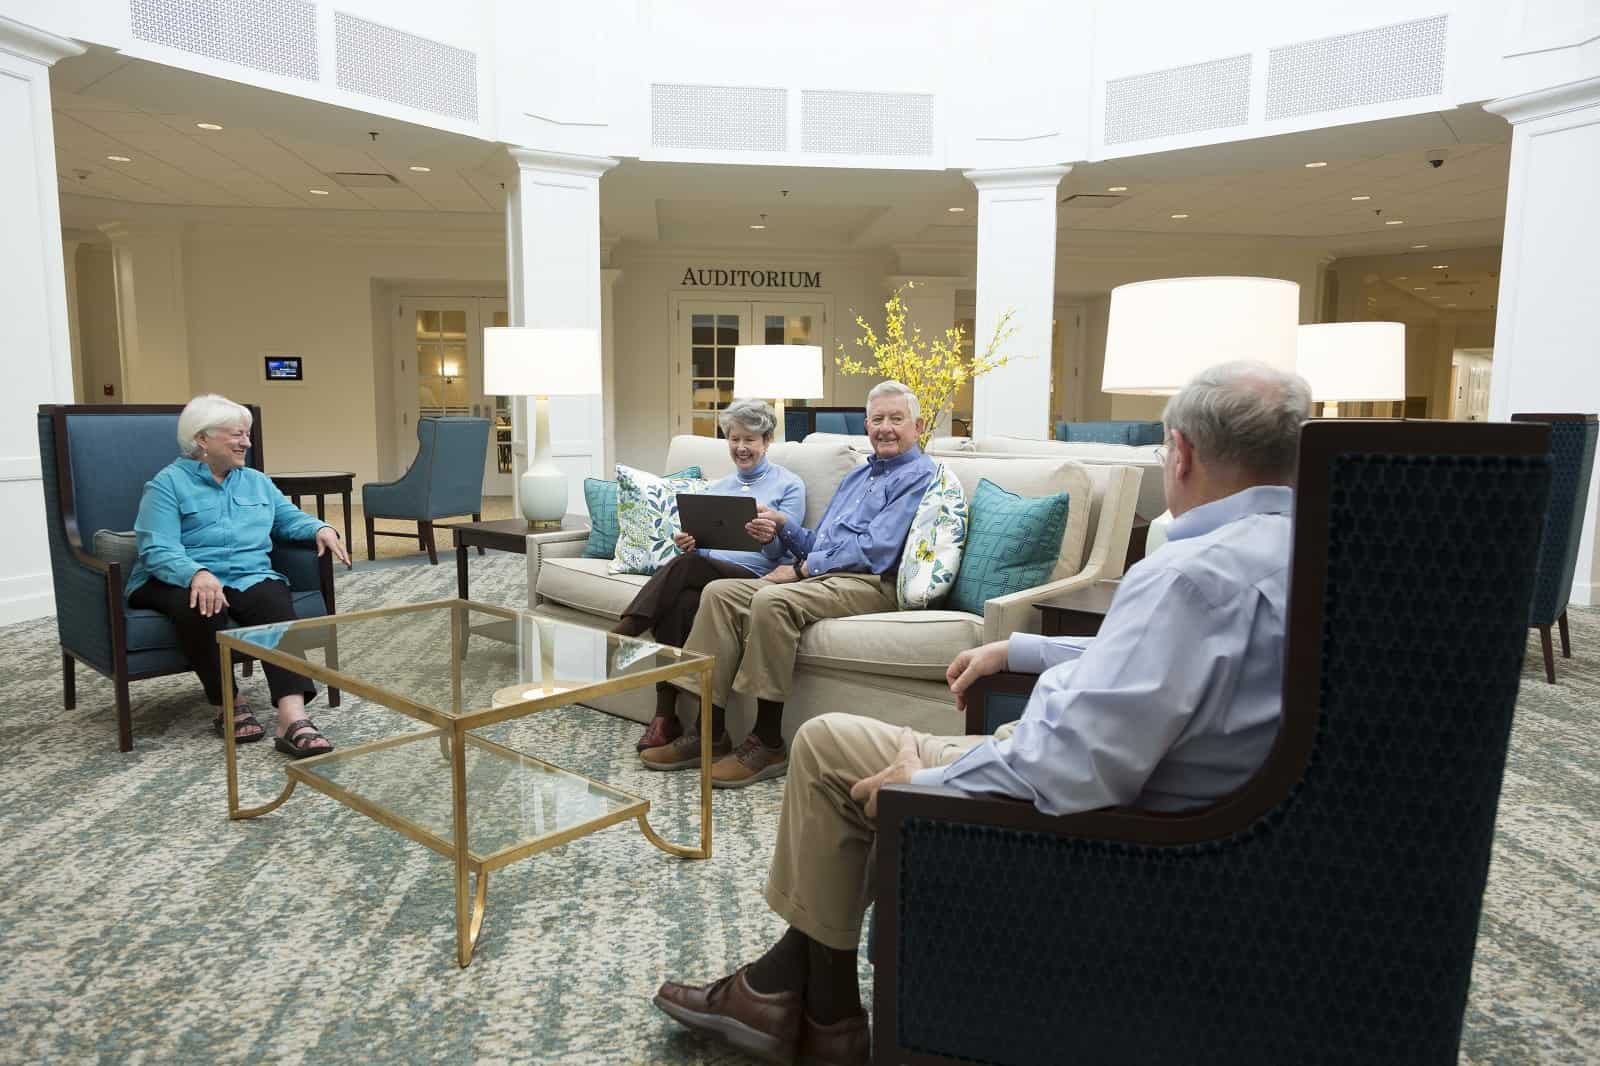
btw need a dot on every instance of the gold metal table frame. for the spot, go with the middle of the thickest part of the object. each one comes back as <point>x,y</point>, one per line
<point>453,733</point>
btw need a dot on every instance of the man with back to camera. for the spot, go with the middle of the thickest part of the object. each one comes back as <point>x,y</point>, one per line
<point>1173,705</point>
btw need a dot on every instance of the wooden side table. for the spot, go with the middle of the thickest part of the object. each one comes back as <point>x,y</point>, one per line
<point>318,483</point>
<point>1077,613</point>
<point>501,534</point>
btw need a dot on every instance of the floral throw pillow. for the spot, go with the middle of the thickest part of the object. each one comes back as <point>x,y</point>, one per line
<point>932,556</point>
<point>647,517</point>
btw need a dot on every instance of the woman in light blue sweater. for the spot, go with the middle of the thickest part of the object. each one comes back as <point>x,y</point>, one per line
<point>667,603</point>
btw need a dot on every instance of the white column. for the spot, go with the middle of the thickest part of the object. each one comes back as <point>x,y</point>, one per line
<point>1544,344</point>
<point>553,278</point>
<point>1016,273</point>
<point>33,305</point>
<point>69,266</point>
<point>152,320</point>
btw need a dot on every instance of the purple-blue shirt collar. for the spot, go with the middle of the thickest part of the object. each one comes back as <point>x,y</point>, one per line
<point>881,466</point>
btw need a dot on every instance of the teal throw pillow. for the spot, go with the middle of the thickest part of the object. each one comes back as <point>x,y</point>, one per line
<point>601,498</point>
<point>1012,544</point>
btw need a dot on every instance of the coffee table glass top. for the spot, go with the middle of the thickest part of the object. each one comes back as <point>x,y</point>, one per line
<point>453,659</point>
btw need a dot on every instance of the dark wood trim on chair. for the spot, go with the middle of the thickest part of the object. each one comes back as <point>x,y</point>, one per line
<point>978,695</point>
<point>1566,639</point>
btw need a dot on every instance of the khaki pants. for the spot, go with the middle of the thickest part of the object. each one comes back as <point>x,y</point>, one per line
<point>753,627</point>
<point>820,880</point>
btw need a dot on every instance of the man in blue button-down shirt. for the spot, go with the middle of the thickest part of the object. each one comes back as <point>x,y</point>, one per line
<point>846,566</point>
<point>1174,704</point>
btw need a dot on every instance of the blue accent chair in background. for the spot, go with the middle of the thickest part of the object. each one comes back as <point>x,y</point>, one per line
<point>1110,432</point>
<point>95,462</point>
<point>1326,911</point>
<point>446,478</point>
<point>1572,448</point>
<point>800,422</point>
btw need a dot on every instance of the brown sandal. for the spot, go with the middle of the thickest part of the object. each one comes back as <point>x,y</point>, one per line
<point>242,719</point>
<point>296,743</point>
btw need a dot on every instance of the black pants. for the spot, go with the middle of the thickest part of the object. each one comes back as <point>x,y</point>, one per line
<point>672,595</point>
<point>260,604</point>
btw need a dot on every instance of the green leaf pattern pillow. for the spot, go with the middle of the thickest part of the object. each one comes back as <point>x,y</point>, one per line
<point>647,517</point>
<point>601,496</point>
<point>932,555</point>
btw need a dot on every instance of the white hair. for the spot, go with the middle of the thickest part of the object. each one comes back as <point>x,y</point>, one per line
<point>204,414</point>
<point>1243,414</point>
<point>756,416</point>
<point>895,388</point>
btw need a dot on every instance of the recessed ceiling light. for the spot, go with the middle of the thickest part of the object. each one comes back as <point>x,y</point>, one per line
<point>317,192</point>
<point>1441,266</point>
<point>1395,222</point>
<point>207,126</point>
<point>757,225</point>
<point>1180,216</point>
<point>955,210</point>
<point>1449,305</point>
<point>420,170</point>
<point>1116,188</point>
<point>1318,163</point>
<point>1360,197</point>
<point>1419,247</point>
<point>1419,288</point>
<point>1403,277</point>
<point>119,159</point>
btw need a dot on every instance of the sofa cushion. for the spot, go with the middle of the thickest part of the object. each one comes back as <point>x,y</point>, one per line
<point>116,546</point>
<point>821,466</point>
<point>588,585</point>
<point>601,499</point>
<point>647,519</point>
<point>932,553</point>
<point>918,644</point>
<point>1152,492</point>
<point>1012,543</point>
<point>1026,475</point>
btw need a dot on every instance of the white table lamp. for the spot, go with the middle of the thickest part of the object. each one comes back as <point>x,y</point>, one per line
<point>1162,333</point>
<point>1353,361</point>
<point>777,372</point>
<point>538,362</point>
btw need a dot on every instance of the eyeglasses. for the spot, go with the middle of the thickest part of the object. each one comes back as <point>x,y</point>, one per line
<point>1161,455</point>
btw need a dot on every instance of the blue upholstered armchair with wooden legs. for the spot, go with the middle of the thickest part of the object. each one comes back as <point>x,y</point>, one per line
<point>1327,911</point>
<point>95,462</point>
<point>446,478</point>
<point>1572,448</point>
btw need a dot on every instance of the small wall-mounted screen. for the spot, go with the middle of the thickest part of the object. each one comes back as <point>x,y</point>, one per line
<point>284,368</point>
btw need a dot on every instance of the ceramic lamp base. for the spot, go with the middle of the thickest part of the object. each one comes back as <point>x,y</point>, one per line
<point>543,493</point>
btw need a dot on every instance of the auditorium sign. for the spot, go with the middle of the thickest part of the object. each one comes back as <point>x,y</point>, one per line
<point>720,278</point>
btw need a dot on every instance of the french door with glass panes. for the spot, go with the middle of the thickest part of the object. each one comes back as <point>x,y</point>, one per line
<point>707,334</point>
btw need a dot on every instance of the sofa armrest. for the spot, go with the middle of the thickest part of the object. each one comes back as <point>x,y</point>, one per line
<point>557,544</point>
<point>1015,613</point>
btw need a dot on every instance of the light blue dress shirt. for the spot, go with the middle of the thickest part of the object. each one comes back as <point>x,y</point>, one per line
<point>773,487</point>
<point>864,529</point>
<point>188,522</point>
<point>1176,702</point>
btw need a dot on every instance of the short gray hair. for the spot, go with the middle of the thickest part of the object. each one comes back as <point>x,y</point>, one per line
<point>754,415</point>
<point>204,414</point>
<point>1245,415</point>
<point>895,388</point>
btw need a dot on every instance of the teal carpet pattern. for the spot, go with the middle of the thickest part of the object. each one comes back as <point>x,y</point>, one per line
<point>141,926</point>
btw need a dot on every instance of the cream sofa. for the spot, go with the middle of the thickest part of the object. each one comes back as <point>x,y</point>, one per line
<point>890,666</point>
<point>1141,457</point>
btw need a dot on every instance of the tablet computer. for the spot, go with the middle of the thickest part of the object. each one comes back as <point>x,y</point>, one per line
<point>718,521</point>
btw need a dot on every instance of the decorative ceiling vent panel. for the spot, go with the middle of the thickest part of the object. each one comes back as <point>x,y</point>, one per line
<point>1092,199</point>
<point>1202,96</point>
<point>273,36</point>
<point>402,68</point>
<point>737,118</point>
<point>1395,62</point>
<point>840,122</point>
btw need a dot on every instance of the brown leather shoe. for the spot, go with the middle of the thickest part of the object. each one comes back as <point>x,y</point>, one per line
<point>844,1043</point>
<point>750,762</point>
<point>683,753</point>
<point>663,729</point>
<point>766,1026</point>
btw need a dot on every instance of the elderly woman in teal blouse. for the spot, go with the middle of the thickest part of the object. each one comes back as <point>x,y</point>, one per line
<point>205,529</point>
<point>667,604</point>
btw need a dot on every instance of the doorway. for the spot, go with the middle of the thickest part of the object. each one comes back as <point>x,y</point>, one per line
<point>1470,369</point>
<point>706,332</point>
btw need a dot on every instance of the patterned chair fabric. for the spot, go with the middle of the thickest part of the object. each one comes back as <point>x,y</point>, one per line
<point>1111,432</point>
<point>446,478</point>
<point>96,460</point>
<point>1572,450</point>
<point>1326,912</point>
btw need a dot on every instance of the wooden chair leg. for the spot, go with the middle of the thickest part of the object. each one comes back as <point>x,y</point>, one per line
<point>427,542</point>
<point>69,681</point>
<point>372,540</point>
<point>124,711</point>
<point>477,516</point>
<point>1549,655</point>
<point>249,667</point>
<point>422,538</point>
<point>1566,640</point>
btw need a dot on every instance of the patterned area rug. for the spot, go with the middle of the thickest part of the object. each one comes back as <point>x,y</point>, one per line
<point>142,926</point>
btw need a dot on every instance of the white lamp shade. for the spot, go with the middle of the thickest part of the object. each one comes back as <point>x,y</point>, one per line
<point>1162,333</point>
<point>777,372</point>
<point>533,361</point>
<point>1348,361</point>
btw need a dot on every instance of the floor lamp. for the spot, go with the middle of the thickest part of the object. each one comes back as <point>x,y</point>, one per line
<point>777,372</point>
<point>1161,333</point>
<point>1347,362</point>
<point>540,363</point>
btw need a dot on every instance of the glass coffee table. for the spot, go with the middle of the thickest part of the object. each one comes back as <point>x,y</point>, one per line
<point>458,666</point>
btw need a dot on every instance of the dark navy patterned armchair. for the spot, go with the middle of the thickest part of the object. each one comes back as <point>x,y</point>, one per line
<point>1324,913</point>
<point>1572,447</point>
<point>446,478</point>
<point>96,460</point>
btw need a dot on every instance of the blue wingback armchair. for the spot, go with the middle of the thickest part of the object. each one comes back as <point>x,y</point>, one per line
<point>800,422</point>
<point>96,460</point>
<point>1572,448</point>
<point>1324,913</point>
<point>446,478</point>
<point>1111,432</point>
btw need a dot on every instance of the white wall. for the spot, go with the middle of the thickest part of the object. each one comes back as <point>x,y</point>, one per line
<point>97,325</point>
